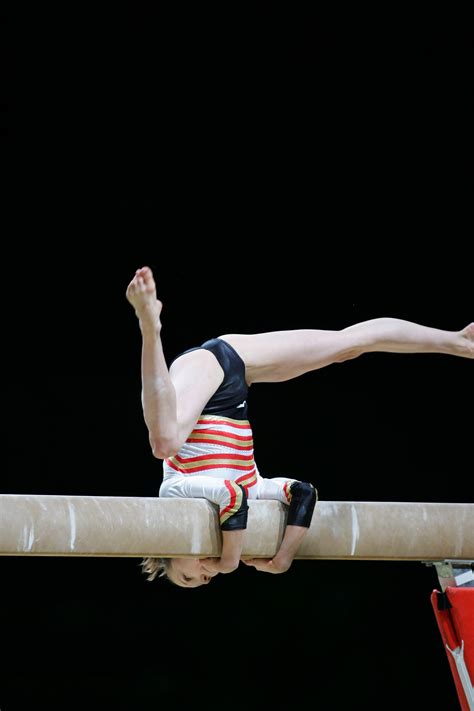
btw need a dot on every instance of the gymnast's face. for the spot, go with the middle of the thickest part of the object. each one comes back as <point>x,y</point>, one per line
<point>191,572</point>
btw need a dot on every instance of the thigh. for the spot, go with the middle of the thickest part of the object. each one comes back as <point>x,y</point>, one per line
<point>281,355</point>
<point>195,376</point>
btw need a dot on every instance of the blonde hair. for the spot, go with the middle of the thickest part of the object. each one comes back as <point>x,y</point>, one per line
<point>156,567</point>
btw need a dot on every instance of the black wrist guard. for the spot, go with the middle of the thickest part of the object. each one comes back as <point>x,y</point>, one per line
<point>303,501</point>
<point>238,520</point>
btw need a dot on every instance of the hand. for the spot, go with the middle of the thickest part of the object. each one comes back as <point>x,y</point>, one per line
<point>211,565</point>
<point>219,565</point>
<point>268,565</point>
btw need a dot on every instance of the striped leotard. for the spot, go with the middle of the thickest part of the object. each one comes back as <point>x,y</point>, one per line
<point>218,458</point>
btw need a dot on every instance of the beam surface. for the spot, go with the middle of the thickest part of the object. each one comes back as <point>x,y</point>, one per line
<point>135,527</point>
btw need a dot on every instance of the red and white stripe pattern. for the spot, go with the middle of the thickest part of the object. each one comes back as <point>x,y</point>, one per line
<point>235,501</point>
<point>218,447</point>
<point>287,490</point>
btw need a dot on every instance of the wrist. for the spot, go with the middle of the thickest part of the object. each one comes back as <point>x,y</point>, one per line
<point>228,565</point>
<point>282,561</point>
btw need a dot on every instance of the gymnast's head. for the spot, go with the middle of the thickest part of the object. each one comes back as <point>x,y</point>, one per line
<point>184,572</point>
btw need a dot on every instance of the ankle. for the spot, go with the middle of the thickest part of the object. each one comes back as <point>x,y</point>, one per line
<point>150,328</point>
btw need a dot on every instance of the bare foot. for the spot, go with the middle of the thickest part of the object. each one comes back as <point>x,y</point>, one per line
<point>465,343</point>
<point>141,293</point>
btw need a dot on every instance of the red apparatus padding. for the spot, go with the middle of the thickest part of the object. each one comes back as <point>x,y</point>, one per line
<point>456,624</point>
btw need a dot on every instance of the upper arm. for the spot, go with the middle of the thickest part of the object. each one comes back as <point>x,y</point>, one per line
<point>196,376</point>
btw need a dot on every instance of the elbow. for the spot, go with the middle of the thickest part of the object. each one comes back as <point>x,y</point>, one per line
<point>163,448</point>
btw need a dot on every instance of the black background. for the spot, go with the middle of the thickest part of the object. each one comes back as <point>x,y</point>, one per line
<point>276,173</point>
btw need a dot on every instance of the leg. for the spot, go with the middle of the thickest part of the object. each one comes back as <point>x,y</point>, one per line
<point>282,355</point>
<point>172,401</point>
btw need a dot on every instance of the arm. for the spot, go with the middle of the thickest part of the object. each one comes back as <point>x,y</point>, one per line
<point>283,559</point>
<point>300,513</point>
<point>232,529</point>
<point>231,552</point>
<point>231,498</point>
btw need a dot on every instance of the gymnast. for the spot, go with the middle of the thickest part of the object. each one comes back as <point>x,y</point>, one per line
<point>196,415</point>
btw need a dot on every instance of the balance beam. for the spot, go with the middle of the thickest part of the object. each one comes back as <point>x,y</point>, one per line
<point>135,527</point>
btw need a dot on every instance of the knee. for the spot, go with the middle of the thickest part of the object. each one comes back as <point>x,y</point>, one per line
<point>350,354</point>
<point>163,447</point>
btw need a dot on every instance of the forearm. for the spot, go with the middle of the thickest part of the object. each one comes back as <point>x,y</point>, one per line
<point>231,500</point>
<point>231,550</point>
<point>283,559</point>
<point>289,546</point>
<point>300,513</point>
<point>303,497</point>
<point>158,395</point>
<point>230,555</point>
